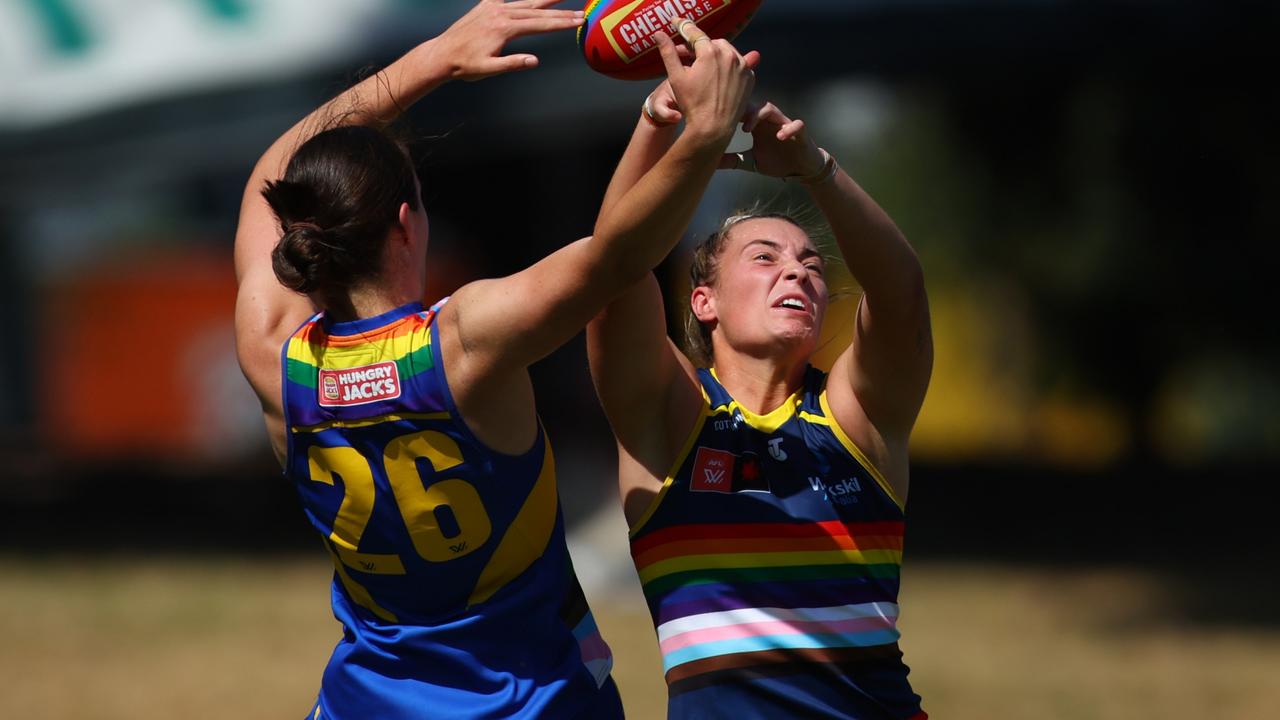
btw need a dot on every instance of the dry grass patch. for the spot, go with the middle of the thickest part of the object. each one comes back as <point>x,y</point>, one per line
<point>108,639</point>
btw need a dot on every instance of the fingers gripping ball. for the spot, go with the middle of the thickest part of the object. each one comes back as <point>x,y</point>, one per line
<point>617,37</point>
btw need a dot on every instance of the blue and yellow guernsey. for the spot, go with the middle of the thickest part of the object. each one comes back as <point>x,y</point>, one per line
<point>770,562</point>
<point>453,582</point>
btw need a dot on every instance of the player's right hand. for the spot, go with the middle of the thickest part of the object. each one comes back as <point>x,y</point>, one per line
<point>781,147</point>
<point>473,45</point>
<point>712,92</point>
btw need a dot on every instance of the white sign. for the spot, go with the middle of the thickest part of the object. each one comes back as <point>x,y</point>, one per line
<point>64,58</point>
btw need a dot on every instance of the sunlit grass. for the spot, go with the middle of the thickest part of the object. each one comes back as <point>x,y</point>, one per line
<point>214,638</point>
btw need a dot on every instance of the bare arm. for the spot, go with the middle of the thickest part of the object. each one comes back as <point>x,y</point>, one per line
<point>470,49</point>
<point>511,322</point>
<point>647,387</point>
<point>651,139</point>
<point>877,385</point>
<point>639,375</point>
<point>890,359</point>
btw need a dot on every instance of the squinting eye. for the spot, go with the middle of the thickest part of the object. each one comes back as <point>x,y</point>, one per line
<point>815,268</point>
<point>763,256</point>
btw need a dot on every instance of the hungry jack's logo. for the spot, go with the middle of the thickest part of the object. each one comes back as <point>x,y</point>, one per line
<point>359,386</point>
<point>330,387</point>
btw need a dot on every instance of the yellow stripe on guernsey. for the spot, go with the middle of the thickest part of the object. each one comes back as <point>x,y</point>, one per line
<point>675,468</point>
<point>767,423</point>
<point>527,537</point>
<point>344,358</point>
<point>778,559</point>
<point>854,450</point>
<point>369,422</point>
<point>358,591</point>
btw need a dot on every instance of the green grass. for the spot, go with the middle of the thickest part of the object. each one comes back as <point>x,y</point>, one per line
<point>137,638</point>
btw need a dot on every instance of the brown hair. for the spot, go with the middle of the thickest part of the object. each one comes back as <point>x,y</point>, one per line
<point>340,196</point>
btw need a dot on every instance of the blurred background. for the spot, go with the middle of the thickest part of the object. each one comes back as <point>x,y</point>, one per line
<point>1091,187</point>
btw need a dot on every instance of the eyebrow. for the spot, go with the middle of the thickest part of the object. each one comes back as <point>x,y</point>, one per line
<point>776,247</point>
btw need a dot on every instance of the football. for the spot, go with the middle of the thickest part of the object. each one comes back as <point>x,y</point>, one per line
<point>617,37</point>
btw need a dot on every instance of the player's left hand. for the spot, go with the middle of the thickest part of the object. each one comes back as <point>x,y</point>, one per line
<point>661,105</point>
<point>780,146</point>
<point>474,44</point>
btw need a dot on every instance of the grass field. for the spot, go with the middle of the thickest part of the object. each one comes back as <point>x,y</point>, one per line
<point>135,638</point>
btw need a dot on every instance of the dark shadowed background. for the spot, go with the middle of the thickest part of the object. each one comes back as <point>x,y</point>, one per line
<point>1091,187</point>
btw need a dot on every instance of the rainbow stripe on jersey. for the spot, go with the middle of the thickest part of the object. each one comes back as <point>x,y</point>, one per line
<point>770,561</point>
<point>452,578</point>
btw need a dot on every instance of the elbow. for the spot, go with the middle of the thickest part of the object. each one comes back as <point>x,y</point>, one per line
<point>904,286</point>
<point>621,262</point>
<point>916,314</point>
<point>915,293</point>
<point>904,299</point>
<point>915,299</point>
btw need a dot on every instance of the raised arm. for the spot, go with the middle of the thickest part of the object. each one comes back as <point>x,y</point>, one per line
<point>638,373</point>
<point>656,130</point>
<point>511,322</point>
<point>470,49</point>
<point>877,385</point>
<point>889,361</point>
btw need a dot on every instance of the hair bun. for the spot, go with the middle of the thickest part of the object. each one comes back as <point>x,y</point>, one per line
<point>309,228</point>
<point>337,203</point>
<point>299,259</point>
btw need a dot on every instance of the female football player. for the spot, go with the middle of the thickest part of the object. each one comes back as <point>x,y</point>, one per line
<point>765,497</point>
<point>410,432</point>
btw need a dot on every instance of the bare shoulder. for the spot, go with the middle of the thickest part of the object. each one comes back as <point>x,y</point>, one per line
<point>654,436</point>
<point>495,400</point>
<point>262,326</point>
<point>261,329</point>
<point>886,449</point>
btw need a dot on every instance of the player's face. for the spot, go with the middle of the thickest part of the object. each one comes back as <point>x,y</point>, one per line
<point>770,294</point>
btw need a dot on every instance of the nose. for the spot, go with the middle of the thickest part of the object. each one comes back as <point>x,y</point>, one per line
<point>794,270</point>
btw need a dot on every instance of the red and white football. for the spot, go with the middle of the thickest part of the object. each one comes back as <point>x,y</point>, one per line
<point>617,37</point>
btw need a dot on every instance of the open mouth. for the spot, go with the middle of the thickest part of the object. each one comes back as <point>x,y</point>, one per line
<point>792,303</point>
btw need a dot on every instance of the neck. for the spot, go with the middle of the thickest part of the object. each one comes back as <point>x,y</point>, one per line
<point>366,301</point>
<point>401,279</point>
<point>758,384</point>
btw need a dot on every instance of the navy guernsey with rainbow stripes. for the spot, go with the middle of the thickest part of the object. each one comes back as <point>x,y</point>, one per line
<point>770,562</point>
<point>453,582</point>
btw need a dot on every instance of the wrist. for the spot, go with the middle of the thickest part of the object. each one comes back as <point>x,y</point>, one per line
<point>647,112</point>
<point>433,64</point>
<point>708,135</point>
<point>825,172</point>
<point>697,146</point>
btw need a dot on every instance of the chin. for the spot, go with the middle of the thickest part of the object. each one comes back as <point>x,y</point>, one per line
<point>797,331</point>
<point>800,343</point>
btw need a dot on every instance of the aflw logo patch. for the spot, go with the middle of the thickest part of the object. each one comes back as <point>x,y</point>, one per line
<point>712,471</point>
<point>357,386</point>
<point>724,472</point>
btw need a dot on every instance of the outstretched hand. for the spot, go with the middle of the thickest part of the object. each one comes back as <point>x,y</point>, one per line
<point>473,45</point>
<point>712,92</point>
<point>780,147</point>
